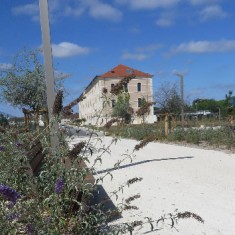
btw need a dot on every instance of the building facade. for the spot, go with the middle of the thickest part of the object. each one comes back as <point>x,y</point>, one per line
<point>97,107</point>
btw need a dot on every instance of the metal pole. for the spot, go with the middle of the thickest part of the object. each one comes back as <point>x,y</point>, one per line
<point>49,72</point>
<point>219,115</point>
<point>182,98</point>
<point>181,76</point>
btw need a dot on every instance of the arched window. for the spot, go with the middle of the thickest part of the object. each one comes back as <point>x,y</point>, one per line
<point>138,86</point>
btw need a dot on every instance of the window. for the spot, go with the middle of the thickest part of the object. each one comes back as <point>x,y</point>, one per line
<point>139,102</point>
<point>113,103</point>
<point>125,87</point>
<point>138,86</point>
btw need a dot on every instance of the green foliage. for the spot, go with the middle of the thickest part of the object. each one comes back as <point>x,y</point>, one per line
<point>206,104</point>
<point>144,109</point>
<point>122,107</point>
<point>3,120</point>
<point>53,202</point>
<point>23,85</point>
<point>138,132</point>
<point>223,137</point>
<point>79,121</point>
<point>225,105</point>
<point>56,201</point>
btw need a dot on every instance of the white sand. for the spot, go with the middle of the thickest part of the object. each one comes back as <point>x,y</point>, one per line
<point>174,177</point>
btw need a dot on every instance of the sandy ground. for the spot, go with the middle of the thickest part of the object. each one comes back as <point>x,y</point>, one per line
<point>174,177</point>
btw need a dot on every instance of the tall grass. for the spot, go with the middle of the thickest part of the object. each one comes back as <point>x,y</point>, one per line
<point>222,137</point>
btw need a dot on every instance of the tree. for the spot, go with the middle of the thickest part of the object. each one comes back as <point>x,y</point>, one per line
<point>167,98</point>
<point>230,103</point>
<point>206,104</point>
<point>122,107</point>
<point>23,85</point>
<point>144,109</point>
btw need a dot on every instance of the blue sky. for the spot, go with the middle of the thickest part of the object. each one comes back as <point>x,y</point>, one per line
<point>89,37</point>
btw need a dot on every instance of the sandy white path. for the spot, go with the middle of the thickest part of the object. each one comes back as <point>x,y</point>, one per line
<point>175,177</point>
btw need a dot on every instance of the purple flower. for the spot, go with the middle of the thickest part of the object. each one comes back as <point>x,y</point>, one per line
<point>59,185</point>
<point>30,229</point>
<point>2,148</point>
<point>9,193</point>
<point>13,216</point>
<point>18,144</point>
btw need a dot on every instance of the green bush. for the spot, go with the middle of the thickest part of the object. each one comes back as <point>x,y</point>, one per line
<point>54,202</point>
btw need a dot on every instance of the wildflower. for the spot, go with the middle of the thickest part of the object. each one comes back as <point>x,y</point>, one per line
<point>2,148</point>
<point>110,123</point>
<point>76,150</point>
<point>58,106</point>
<point>144,143</point>
<point>144,109</point>
<point>118,87</point>
<point>130,199</point>
<point>67,110</point>
<point>13,216</point>
<point>187,214</point>
<point>134,180</point>
<point>128,207</point>
<point>59,185</point>
<point>9,193</point>
<point>30,229</point>
<point>105,90</point>
<point>18,144</point>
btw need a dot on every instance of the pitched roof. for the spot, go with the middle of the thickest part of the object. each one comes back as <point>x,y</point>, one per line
<point>123,71</point>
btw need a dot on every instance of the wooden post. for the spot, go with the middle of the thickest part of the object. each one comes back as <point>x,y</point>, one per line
<point>46,119</point>
<point>50,81</point>
<point>173,123</point>
<point>166,124</point>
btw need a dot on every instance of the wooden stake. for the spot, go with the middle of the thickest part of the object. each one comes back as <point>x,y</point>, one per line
<point>50,81</point>
<point>166,124</point>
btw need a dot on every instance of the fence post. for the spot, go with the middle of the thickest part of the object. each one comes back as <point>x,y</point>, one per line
<point>49,72</point>
<point>166,124</point>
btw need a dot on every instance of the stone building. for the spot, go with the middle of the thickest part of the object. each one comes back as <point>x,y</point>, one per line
<point>97,111</point>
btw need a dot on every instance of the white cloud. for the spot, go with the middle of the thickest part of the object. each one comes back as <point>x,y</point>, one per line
<point>148,4</point>
<point>164,22</point>
<point>166,19</point>
<point>28,9</point>
<point>68,49</point>
<point>95,8</point>
<point>101,10</point>
<point>212,12</point>
<point>71,11</point>
<point>205,47</point>
<point>5,66</point>
<point>31,9</point>
<point>202,2</point>
<point>149,48</point>
<point>141,53</point>
<point>134,56</point>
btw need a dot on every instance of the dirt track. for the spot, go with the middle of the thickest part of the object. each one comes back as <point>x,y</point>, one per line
<point>174,177</point>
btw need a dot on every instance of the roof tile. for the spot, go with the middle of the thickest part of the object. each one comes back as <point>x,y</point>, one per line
<point>123,71</point>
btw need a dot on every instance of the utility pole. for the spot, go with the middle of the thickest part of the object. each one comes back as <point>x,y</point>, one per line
<point>49,72</point>
<point>181,77</point>
<point>219,114</point>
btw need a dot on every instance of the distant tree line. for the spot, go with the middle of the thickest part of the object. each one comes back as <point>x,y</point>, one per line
<point>168,100</point>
